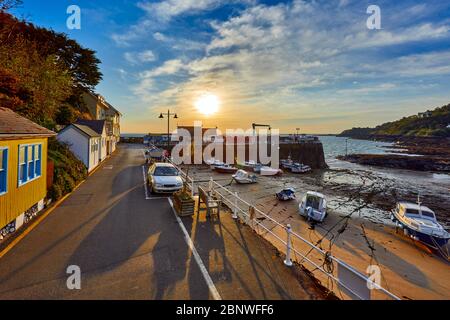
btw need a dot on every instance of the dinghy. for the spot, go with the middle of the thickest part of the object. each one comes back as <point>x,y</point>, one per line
<point>420,223</point>
<point>226,168</point>
<point>216,163</point>
<point>313,206</point>
<point>300,168</point>
<point>268,171</point>
<point>242,177</point>
<point>286,194</point>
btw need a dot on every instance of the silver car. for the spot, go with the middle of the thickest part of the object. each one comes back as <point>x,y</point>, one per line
<point>164,178</point>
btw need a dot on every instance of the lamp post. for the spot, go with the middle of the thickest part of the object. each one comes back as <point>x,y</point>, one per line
<point>168,115</point>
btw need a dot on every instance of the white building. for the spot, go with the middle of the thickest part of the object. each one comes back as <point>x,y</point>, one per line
<point>99,126</point>
<point>84,143</point>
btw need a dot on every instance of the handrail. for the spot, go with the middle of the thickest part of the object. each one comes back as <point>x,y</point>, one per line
<point>278,224</point>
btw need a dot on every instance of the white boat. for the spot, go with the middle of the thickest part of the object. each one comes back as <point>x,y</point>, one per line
<point>300,168</point>
<point>268,171</point>
<point>213,164</point>
<point>313,206</point>
<point>243,177</point>
<point>420,223</point>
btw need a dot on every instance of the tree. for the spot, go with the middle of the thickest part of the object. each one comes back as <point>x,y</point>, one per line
<point>6,5</point>
<point>65,116</point>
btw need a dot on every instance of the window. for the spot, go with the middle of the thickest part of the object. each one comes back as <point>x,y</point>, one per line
<point>30,162</point>
<point>3,170</point>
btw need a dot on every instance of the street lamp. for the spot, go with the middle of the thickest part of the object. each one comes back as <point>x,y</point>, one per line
<point>175,116</point>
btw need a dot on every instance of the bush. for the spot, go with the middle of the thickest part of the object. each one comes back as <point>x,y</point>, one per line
<point>68,170</point>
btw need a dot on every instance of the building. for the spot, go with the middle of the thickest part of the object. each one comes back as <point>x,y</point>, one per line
<point>425,114</point>
<point>23,169</point>
<point>99,126</point>
<point>85,144</point>
<point>100,109</point>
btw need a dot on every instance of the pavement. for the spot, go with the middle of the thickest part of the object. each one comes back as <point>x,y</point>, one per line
<point>130,245</point>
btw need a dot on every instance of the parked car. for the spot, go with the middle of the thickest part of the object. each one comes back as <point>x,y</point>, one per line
<point>164,178</point>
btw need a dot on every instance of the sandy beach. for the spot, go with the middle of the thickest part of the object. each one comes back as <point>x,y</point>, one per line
<point>368,237</point>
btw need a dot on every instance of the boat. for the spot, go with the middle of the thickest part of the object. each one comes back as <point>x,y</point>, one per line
<point>226,168</point>
<point>300,168</point>
<point>243,177</point>
<point>287,163</point>
<point>313,206</point>
<point>286,194</point>
<point>420,223</point>
<point>268,171</point>
<point>214,163</point>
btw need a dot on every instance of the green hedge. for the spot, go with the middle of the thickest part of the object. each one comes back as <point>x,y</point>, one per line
<point>68,170</point>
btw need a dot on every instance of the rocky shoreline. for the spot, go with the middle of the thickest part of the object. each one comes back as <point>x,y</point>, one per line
<point>412,153</point>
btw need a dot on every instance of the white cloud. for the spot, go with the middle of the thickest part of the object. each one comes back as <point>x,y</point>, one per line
<point>165,10</point>
<point>140,57</point>
<point>170,67</point>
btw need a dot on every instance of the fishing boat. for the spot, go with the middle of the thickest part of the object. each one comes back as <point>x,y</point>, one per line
<point>300,168</point>
<point>420,223</point>
<point>268,171</point>
<point>286,194</point>
<point>243,177</point>
<point>226,168</point>
<point>313,206</point>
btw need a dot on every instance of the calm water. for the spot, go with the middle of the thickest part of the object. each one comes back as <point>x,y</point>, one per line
<point>335,146</point>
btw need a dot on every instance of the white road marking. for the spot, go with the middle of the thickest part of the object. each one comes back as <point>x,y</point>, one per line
<point>145,183</point>
<point>212,288</point>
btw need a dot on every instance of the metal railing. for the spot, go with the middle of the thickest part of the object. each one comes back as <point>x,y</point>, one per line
<point>352,282</point>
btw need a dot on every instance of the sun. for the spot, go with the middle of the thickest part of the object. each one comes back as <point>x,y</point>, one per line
<point>207,104</point>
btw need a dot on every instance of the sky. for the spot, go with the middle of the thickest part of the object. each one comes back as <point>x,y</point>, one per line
<point>313,65</point>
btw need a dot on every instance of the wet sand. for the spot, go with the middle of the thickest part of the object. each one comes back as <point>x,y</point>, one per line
<point>409,270</point>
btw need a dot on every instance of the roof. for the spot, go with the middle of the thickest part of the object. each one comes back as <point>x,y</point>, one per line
<point>14,126</point>
<point>315,194</point>
<point>414,206</point>
<point>95,125</point>
<point>164,164</point>
<point>82,129</point>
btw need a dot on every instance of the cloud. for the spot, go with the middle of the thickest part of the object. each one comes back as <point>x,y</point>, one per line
<point>135,58</point>
<point>305,57</point>
<point>165,10</point>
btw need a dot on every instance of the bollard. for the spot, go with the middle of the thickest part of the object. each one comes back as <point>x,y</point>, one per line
<point>288,261</point>
<point>235,216</point>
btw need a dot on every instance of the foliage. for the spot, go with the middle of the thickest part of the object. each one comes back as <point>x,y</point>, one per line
<point>433,126</point>
<point>68,170</point>
<point>6,5</point>
<point>42,71</point>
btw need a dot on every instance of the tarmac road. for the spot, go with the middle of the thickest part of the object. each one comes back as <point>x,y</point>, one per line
<point>129,245</point>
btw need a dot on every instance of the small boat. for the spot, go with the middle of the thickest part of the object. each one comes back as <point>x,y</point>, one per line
<point>248,165</point>
<point>215,163</point>
<point>257,168</point>
<point>287,163</point>
<point>300,168</point>
<point>420,223</point>
<point>286,194</point>
<point>226,168</point>
<point>242,177</point>
<point>313,206</point>
<point>268,171</point>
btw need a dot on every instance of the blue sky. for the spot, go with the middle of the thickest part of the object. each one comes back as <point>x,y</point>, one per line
<point>308,64</point>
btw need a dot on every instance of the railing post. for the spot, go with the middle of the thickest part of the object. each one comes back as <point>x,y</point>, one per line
<point>211,184</point>
<point>192,188</point>
<point>288,261</point>
<point>235,216</point>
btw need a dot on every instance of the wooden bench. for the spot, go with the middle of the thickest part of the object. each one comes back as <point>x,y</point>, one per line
<point>212,202</point>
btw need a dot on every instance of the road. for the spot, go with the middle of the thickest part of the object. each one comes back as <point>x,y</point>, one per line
<point>130,246</point>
